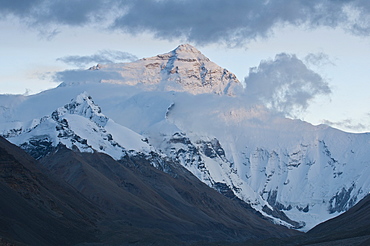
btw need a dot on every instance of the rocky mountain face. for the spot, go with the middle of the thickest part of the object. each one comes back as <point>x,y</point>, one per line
<point>291,172</point>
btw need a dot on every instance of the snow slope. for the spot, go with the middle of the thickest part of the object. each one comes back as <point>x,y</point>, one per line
<point>293,172</point>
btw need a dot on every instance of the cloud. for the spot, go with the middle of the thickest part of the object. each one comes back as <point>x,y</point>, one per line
<point>79,76</point>
<point>233,22</point>
<point>19,7</point>
<point>104,56</point>
<point>318,59</point>
<point>45,12</point>
<point>285,84</point>
<point>347,124</point>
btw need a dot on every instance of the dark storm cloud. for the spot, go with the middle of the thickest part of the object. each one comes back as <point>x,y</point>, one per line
<point>45,12</point>
<point>237,21</point>
<point>285,84</point>
<point>19,7</point>
<point>104,56</point>
<point>232,22</point>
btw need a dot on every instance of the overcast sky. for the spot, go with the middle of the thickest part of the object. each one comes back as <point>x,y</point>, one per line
<point>308,59</point>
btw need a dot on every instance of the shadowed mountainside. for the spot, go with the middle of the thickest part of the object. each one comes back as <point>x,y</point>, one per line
<point>35,209</point>
<point>91,198</point>
<point>350,228</point>
<point>180,206</point>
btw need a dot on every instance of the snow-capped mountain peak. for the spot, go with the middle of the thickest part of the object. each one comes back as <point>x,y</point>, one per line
<point>182,69</point>
<point>187,51</point>
<point>84,105</point>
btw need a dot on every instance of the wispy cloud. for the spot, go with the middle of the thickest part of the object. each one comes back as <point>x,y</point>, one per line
<point>233,22</point>
<point>347,124</point>
<point>103,56</point>
<point>285,84</point>
<point>318,59</point>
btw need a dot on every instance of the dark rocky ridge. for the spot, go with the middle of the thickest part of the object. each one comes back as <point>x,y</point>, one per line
<point>135,193</point>
<point>38,210</point>
<point>352,225</point>
<point>85,198</point>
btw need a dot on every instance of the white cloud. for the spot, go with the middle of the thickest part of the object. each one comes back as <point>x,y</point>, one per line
<point>285,84</point>
<point>318,59</point>
<point>347,124</point>
<point>103,56</point>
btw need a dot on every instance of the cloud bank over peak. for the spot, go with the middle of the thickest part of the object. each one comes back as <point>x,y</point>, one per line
<point>285,84</point>
<point>233,22</point>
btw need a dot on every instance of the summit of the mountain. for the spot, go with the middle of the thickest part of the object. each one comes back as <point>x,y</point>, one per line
<point>187,51</point>
<point>182,69</point>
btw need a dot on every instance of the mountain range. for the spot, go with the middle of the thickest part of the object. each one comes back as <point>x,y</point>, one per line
<point>128,138</point>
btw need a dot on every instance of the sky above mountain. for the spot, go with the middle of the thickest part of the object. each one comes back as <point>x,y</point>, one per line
<point>306,59</point>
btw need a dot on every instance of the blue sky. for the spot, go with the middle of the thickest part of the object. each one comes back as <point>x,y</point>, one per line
<point>309,59</point>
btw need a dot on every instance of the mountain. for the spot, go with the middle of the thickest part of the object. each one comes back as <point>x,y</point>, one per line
<point>290,171</point>
<point>70,197</point>
<point>351,227</point>
<point>38,210</point>
<point>77,125</point>
<point>183,69</point>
